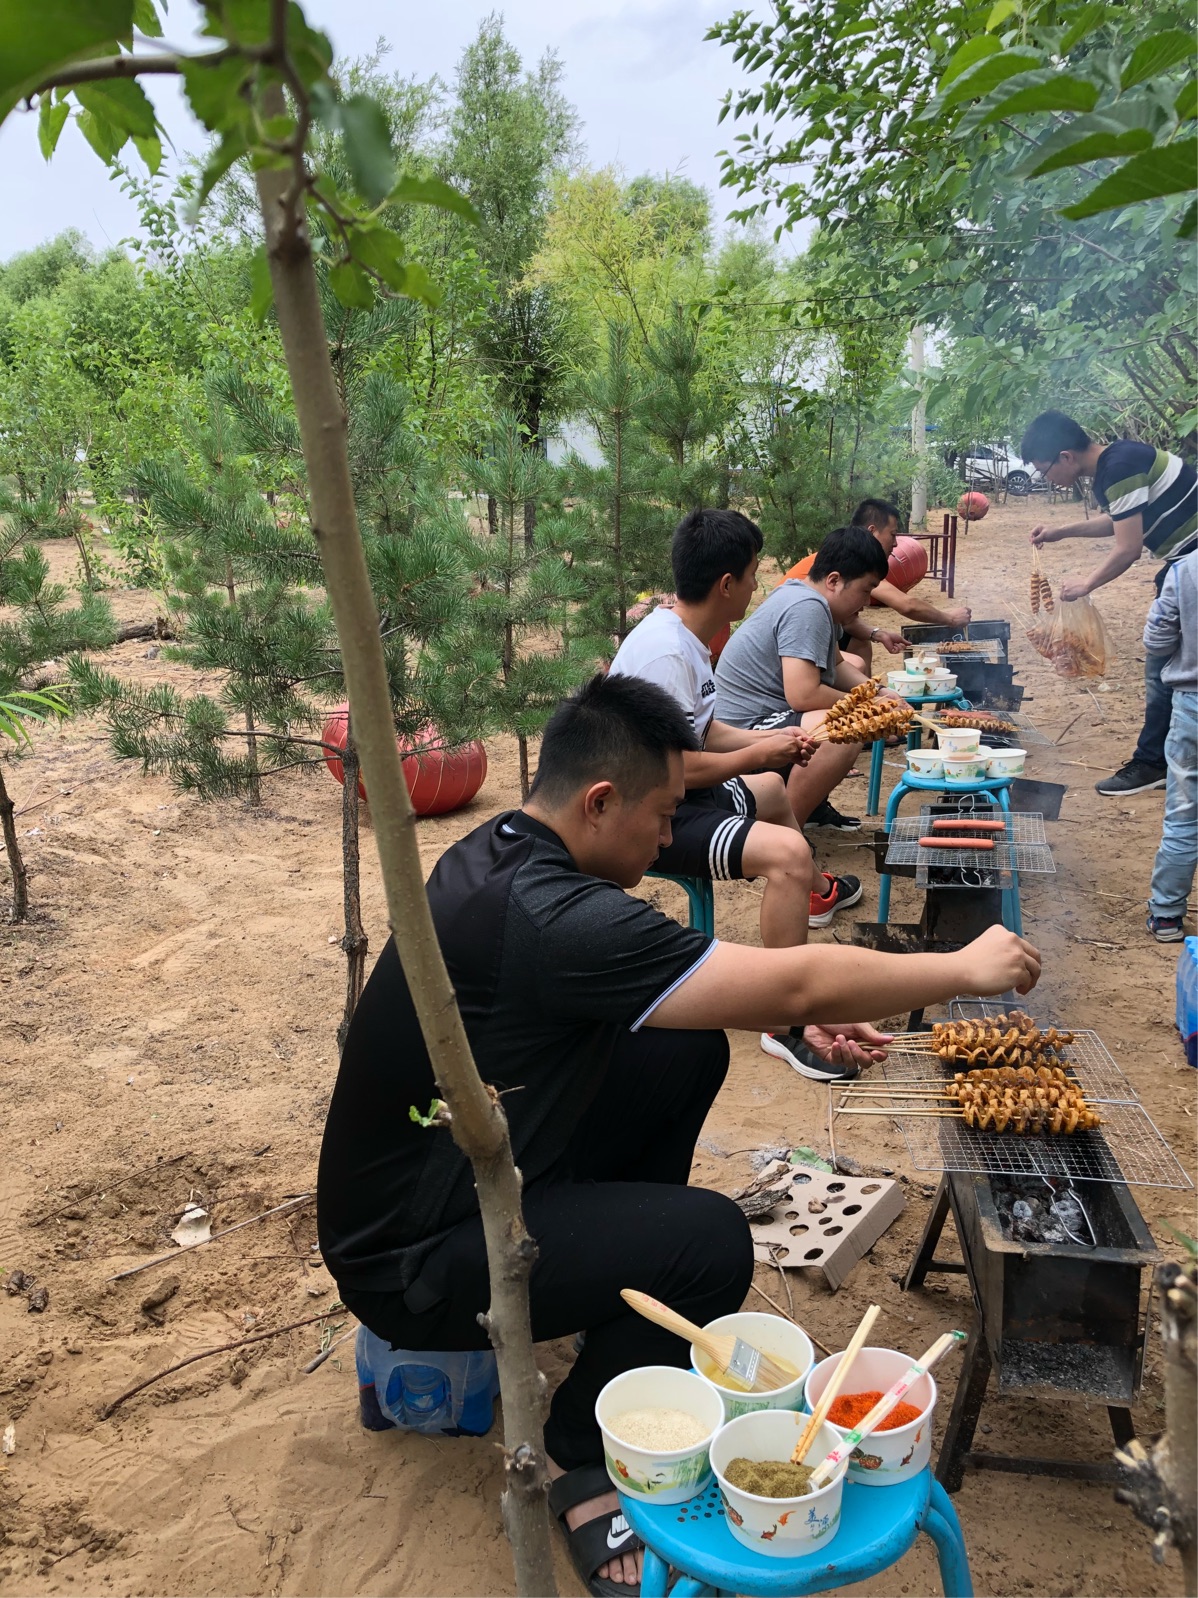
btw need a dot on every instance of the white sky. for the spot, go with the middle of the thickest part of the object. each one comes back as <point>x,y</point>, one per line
<point>645,84</point>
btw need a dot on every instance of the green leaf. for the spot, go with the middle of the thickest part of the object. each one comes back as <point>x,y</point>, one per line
<point>38,35</point>
<point>1047,89</point>
<point>1186,104</point>
<point>351,286</point>
<point>417,285</point>
<point>1081,24</point>
<point>973,296</point>
<point>1099,146</point>
<point>213,91</point>
<point>311,52</point>
<point>105,138</point>
<point>245,21</point>
<point>231,148</point>
<point>1155,55</point>
<point>150,151</point>
<point>1167,169</point>
<point>987,74</point>
<point>50,121</point>
<point>121,102</point>
<point>972,51</point>
<point>380,250</point>
<point>999,14</point>
<point>1186,229</point>
<point>367,140</point>
<point>431,191</point>
<point>146,19</point>
<point>262,293</point>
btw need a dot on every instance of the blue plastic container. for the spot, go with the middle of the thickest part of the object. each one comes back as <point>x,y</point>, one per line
<point>424,1390</point>
<point>1187,998</point>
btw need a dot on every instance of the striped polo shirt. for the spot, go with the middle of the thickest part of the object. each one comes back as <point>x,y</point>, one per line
<point>1137,480</point>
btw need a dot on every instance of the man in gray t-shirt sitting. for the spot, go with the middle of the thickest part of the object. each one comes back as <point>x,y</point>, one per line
<point>783,667</point>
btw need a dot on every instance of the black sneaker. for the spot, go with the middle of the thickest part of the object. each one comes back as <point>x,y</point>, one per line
<point>826,815</point>
<point>839,893</point>
<point>1137,776</point>
<point>789,1046</point>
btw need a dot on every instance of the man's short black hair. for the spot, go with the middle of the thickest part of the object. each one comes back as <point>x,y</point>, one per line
<point>707,544</point>
<point>1049,434</point>
<point>851,551</point>
<point>612,729</point>
<point>877,511</point>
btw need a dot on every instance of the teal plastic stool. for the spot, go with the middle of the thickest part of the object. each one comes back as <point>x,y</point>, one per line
<point>700,897</point>
<point>954,697</point>
<point>877,1526</point>
<point>999,787</point>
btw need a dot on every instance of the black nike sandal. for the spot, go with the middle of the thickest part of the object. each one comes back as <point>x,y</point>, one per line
<point>596,1541</point>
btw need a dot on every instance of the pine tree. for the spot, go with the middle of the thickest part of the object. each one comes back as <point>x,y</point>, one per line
<point>686,413</point>
<point>521,611</point>
<point>42,628</point>
<point>618,530</point>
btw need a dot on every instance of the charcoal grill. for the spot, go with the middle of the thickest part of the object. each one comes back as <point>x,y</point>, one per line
<point>1053,1320</point>
<point>984,674</point>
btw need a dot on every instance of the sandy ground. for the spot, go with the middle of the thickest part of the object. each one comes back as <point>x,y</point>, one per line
<point>173,999</point>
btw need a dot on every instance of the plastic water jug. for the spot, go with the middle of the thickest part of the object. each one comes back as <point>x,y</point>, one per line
<point>424,1390</point>
<point>1187,998</point>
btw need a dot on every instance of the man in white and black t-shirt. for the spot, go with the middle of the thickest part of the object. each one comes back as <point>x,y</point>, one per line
<point>599,1020</point>
<point>736,821</point>
<point>1149,500</point>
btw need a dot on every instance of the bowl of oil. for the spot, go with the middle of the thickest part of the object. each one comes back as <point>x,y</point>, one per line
<point>781,1339</point>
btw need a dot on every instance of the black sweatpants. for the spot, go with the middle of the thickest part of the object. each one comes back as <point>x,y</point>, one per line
<point>614,1212</point>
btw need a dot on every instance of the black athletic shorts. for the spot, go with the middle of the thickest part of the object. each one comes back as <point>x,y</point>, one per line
<point>710,828</point>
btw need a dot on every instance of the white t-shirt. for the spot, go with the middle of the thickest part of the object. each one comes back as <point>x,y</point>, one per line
<point>662,650</point>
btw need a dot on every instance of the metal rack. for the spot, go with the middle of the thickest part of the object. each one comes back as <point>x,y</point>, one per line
<point>1023,847</point>
<point>1129,1148</point>
<point>1026,735</point>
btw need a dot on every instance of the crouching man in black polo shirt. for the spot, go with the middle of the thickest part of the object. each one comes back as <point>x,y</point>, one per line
<point>600,1020</point>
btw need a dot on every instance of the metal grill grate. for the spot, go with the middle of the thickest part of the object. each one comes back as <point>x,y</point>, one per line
<point>1129,1148</point>
<point>1023,847</point>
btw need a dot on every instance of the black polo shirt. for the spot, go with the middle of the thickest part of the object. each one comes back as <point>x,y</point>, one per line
<point>549,967</point>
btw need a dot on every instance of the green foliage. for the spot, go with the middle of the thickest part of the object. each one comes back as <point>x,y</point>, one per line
<point>20,706</point>
<point>947,171</point>
<point>519,614</point>
<point>619,531</point>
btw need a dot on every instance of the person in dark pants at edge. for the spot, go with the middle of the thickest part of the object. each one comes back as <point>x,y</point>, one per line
<point>735,822</point>
<point>1150,501</point>
<point>600,1021</point>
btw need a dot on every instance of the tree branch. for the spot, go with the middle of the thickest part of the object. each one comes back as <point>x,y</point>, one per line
<point>125,66</point>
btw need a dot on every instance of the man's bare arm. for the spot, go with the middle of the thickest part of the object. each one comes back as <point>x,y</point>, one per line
<point>757,989</point>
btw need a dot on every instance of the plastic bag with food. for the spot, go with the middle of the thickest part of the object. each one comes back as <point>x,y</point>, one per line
<point>1078,645</point>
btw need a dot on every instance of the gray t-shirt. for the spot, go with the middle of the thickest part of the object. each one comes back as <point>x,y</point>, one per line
<point>794,621</point>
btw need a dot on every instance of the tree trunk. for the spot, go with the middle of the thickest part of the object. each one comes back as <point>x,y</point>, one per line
<point>354,941</point>
<point>530,522</point>
<point>525,782</point>
<point>476,1115</point>
<point>1162,1485</point>
<point>20,877</point>
<point>251,743</point>
<point>492,516</point>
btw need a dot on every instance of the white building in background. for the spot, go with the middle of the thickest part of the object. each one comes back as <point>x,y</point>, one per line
<point>575,437</point>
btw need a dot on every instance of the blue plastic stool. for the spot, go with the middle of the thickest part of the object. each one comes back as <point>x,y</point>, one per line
<point>1012,916</point>
<point>700,897</point>
<point>877,1526</point>
<point>914,739</point>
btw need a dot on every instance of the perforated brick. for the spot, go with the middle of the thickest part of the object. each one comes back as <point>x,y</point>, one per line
<point>828,1222</point>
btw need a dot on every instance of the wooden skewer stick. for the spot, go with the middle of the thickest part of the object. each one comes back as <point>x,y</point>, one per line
<point>835,1383</point>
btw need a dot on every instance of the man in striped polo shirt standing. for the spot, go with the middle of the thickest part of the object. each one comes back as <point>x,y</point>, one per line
<point>1150,500</point>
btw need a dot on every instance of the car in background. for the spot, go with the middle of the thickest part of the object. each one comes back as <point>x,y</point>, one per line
<point>994,467</point>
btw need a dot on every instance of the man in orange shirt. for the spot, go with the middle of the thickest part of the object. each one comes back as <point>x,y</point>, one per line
<point>884,521</point>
